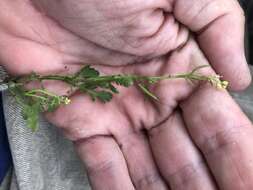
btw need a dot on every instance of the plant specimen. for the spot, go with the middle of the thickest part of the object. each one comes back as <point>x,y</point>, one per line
<point>89,81</point>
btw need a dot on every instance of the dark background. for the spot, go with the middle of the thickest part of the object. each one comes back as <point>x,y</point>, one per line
<point>5,156</point>
<point>248,7</point>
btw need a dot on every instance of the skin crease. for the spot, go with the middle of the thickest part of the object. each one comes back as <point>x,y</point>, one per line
<point>195,136</point>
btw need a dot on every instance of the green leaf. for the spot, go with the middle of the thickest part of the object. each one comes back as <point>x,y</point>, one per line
<point>17,91</point>
<point>113,89</point>
<point>30,114</point>
<point>104,96</point>
<point>87,72</point>
<point>53,104</point>
<point>125,81</point>
<point>108,86</point>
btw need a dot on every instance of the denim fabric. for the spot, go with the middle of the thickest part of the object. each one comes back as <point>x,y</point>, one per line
<point>5,155</point>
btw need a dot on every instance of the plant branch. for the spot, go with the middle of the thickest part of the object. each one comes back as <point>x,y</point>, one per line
<point>88,80</point>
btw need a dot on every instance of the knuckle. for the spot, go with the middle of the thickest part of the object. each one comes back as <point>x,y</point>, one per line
<point>148,181</point>
<point>96,158</point>
<point>99,167</point>
<point>186,174</point>
<point>155,39</point>
<point>224,139</point>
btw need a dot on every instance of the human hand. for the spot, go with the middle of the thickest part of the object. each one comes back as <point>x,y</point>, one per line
<point>133,143</point>
<point>125,32</point>
<point>193,137</point>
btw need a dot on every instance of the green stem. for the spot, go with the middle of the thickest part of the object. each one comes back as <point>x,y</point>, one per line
<point>42,92</point>
<point>36,96</point>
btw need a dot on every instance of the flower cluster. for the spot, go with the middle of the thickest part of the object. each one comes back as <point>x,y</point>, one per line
<point>216,81</point>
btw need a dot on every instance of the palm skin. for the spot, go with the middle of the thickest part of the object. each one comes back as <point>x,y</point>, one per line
<point>127,123</point>
<point>193,137</point>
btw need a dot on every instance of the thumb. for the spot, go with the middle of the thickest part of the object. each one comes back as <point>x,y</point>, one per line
<point>219,25</point>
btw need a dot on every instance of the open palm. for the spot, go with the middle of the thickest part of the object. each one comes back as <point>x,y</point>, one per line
<point>195,136</point>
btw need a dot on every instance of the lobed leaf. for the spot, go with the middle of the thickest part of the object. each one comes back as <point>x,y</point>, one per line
<point>30,114</point>
<point>87,72</point>
<point>104,96</point>
<point>125,81</point>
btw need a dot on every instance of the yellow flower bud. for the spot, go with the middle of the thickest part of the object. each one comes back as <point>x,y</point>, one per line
<point>67,101</point>
<point>224,84</point>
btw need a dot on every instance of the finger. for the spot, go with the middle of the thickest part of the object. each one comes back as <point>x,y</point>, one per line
<point>223,134</point>
<point>105,163</point>
<point>179,161</point>
<point>23,57</point>
<point>141,165</point>
<point>220,28</point>
<point>20,56</point>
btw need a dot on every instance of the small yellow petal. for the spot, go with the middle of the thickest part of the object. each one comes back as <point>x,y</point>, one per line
<point>219,86</point>
<point>225,84</point>
<point>67,101</point>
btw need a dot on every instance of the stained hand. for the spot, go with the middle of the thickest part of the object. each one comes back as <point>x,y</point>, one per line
<point>195,136</point>
<point>123,32</point>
